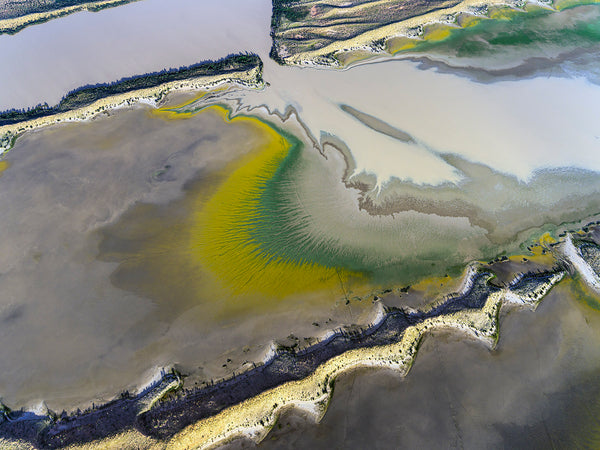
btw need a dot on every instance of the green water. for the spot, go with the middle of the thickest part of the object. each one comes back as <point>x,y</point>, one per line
<point>574,27</point>
<point>301,220</point>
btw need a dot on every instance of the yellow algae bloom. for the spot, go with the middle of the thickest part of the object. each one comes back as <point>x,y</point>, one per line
<point>217,246</point>
<point>401,43</point>
<point>438,32</point>
<point>3,166</point>
<point>547,239</point>
<point>437,286</point>
<point>222,240</point>
<point>469,20</point>
<point>504,13</point>
<point>179,111</point>
<point>349,57</point>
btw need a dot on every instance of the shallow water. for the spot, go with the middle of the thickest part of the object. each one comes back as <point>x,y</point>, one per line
<point>97,282</point>
<point>62,185</point>
<point>119,288</point>
<point>49,60</point>
<point>98,287</point>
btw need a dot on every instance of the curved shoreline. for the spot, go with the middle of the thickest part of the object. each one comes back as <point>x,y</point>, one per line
<point>15,24</point>
<point>132,419</point>
<point>249,403</point>
<point>246,77</point>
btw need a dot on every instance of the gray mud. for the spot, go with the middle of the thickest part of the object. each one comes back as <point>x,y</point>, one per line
<point>538,389</point>
<point>74,336</point>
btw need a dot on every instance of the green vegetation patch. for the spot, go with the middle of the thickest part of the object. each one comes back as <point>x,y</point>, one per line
<point>531,29</point>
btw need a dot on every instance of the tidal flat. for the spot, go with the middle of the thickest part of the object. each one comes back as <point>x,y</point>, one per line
<point>333,34</point>
<point>208,233</point>
<point>143,280</point>
<point>118,245</point>
<point>537,389</point>
<point>111,169</point>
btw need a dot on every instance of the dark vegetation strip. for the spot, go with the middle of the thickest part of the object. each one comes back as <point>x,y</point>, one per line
<point>187,406</point>
<point>87,95</point>
<point>284,9</point>
<point>12,10</point>
<point>378,16</point>
<point>56,8</point>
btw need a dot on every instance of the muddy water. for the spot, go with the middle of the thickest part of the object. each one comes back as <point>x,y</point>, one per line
<point>81,327</point>
<point>82,336</point>
<point>96,290</point>
<point>515,127</point>
<point>48,60</point>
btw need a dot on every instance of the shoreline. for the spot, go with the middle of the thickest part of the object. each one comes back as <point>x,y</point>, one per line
<point>15,24</point>
<point>250,78</point>
<point>233,423</point>
<point>244,405</point>
<point>157,413</point>
<point>344,53</point>
<point>587,272</point>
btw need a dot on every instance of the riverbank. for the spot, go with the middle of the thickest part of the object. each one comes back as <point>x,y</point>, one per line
<point>254,418</point>
<point>14,20</point>
<point>87,102</point>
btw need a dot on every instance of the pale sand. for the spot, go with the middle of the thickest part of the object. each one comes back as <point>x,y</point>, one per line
<point>9,25</point>
<point>148,96</point>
